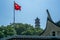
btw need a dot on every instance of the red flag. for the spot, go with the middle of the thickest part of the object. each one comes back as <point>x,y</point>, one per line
<point>17,7</point>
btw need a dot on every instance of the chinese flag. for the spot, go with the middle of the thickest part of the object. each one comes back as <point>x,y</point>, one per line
<point>17,7</point>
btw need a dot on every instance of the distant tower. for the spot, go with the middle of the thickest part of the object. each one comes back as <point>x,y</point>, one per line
<point>37,23</point>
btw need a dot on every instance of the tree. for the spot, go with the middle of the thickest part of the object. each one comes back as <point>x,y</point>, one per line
<point>9,31</point>
<point>32,31</point>
<point>19,27</point>
<point>29,31</point>
<point>38,31</point>
<point>1,34</point>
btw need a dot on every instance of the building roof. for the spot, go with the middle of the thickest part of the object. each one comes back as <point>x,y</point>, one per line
<point>49,19</point>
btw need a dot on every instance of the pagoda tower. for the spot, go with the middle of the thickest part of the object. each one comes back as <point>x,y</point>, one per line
<point>37,23</point>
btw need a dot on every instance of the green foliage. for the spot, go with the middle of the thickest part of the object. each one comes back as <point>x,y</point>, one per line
<point>1,34</point>
<point>9,31</point>
<point>23,29</point>
<point>19,29</point>
<point>29,31</point>
<point>38,31</point>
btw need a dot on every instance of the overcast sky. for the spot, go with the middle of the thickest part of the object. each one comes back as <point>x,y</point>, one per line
<point>30,10</point>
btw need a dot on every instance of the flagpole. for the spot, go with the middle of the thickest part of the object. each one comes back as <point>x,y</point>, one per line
<point>14,15</point>
<point>15,8</point>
